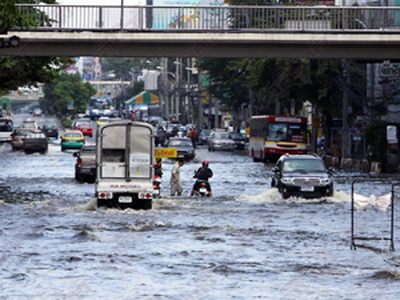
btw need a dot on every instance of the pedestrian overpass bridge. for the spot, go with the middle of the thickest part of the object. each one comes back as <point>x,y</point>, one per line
<point>208,31</point>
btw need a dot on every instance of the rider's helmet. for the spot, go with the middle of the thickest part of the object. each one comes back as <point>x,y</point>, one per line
<point>205,163</point>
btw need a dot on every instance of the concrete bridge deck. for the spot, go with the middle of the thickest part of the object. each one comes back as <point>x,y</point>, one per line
<point>366,45</point>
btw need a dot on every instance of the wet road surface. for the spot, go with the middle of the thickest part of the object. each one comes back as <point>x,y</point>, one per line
<point>244,243</point>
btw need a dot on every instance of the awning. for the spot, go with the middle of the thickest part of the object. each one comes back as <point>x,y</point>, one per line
<point>144,97</point>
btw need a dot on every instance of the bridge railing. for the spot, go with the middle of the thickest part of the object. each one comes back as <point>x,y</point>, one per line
<point>210,18</point>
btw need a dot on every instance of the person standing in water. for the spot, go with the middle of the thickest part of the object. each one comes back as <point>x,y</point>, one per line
<point>176,186</point>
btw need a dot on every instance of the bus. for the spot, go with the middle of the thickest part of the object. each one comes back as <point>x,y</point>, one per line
<point>271,136</point>
<point>101,107</point>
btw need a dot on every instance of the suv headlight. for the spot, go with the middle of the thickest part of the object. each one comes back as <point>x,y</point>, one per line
<point>286,180</point>
<point>326,181</point>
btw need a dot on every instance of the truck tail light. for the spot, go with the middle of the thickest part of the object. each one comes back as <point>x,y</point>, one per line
<point>105,195</point>
<point>79,162</point>
<point>145,195</point>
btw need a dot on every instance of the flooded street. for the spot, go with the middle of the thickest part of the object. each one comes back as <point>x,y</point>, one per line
<point>244,243</point>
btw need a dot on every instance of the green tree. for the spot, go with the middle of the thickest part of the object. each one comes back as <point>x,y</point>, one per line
<point>375,137</point>
<point>68,88</point>
<point>19,71</point>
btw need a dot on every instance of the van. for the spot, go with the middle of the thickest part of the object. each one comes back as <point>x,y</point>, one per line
<point>124,159</point>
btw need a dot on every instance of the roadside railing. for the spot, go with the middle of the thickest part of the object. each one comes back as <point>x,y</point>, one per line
<point>210,18</point>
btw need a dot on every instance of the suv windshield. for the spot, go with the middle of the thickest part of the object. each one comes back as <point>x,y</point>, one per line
<point>298,165</point>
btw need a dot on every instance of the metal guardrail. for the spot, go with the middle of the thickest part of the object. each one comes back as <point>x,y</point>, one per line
<point>211,18</point>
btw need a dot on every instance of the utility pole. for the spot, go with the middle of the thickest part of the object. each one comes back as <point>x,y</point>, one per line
<point>165,87</point>
<point>345,110</point>
<point>199,104</point>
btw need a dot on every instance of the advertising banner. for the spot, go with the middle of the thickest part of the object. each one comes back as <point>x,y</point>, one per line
<point>185,18</point>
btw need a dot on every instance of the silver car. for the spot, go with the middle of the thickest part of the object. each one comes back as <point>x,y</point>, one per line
<point>220,141</point>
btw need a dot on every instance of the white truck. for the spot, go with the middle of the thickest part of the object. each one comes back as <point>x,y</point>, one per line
<point>125,159</point>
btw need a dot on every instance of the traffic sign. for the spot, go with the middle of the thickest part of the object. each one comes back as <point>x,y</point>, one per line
<point>166,153</point>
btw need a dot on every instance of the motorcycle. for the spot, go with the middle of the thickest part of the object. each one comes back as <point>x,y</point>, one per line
<point>156,186</point>
<point>202,188</point>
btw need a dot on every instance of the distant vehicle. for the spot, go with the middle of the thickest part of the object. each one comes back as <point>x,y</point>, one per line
<point>76,122</point>
<point>171,130</point>
<point>184,147</point>
<point>239,139</point>
<point>6,128</point>
<point>35,141</point>
<point>72,139</point>
<point>302,176</point>
<point>203,136</point>
<point>29,124</point>
<point>85,166</point>
<point>85,128</point>
<point>220,141</point>
<point>50,131</point>
<point>125,165</point>
<point>37,112</point>
<point>159,135</point>
<point>102,120</point>
<point>272,136</point>
<point>17,136</point>
<point>101,107</point>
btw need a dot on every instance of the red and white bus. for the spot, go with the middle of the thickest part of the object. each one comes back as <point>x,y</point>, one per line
<point>271,136</point>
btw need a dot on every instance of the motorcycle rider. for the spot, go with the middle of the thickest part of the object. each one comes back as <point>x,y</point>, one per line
<point>203,173</point>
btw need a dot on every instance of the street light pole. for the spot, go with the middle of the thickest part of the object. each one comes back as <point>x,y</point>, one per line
<point>164,85</point>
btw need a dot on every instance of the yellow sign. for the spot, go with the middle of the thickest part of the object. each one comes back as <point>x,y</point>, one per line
<point>166,153</point>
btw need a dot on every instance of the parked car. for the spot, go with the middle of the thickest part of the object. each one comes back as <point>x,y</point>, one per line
<point>220,141</point>
<point>17,136</point>
<point>50,131</point>
<point>239,139</point>
<point>203,136</point>
<point>85,128</point>
<point>302,175</point>
<point>72,139</point>
<point>184,147</point>
<point>35,141</point>
<point>85,166</point>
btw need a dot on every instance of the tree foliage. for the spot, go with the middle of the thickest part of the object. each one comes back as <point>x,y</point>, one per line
<point>274,80</point>
<point>19,71</point>
<point>68,88</point>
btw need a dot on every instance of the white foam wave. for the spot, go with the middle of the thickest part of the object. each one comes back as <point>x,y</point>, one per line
<point>361,202</point>
<point>364,202</point>
<point>272,195</point>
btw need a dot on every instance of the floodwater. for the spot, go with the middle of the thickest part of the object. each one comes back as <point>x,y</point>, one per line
<point>244,243</point>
